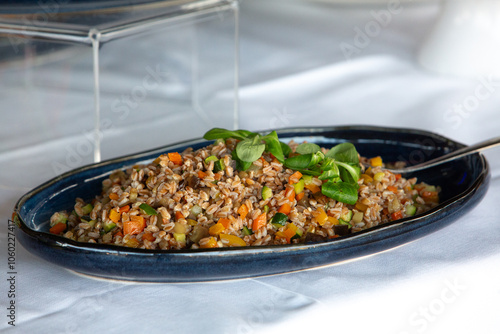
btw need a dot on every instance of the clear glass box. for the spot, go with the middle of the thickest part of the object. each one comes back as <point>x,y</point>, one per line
<point>83,81</point>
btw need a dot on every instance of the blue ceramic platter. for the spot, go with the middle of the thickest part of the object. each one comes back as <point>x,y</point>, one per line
<point>464,183</point>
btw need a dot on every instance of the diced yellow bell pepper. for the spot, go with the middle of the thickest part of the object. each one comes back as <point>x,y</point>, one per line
<point>180,237</point>
<point>333,220</point>
<point>232,240</point>
<point>361,206</point>
<point>376,162</point>
<point>321,216</point>
<point>114,216</point>
<point>216,229</point>
<point>367,178</point>
<point>379,176</point>
<point>290,231</point>
<point>211,243</point>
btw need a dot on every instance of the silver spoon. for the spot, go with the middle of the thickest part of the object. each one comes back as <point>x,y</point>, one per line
<point>449,157</point>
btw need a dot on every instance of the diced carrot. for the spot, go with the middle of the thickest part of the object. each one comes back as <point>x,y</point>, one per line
<point>300,196</point>
<point>138,219</point>
<point>295,177</point>
<point>393,189</point>
<point>313,188</point>
<point>397,215</point>
<point>134,226</point>
<point>125,208</point>
<point>58,228</point>
<point>178,215</point>
<point>259,222</point>
<point>216,229</point>
<point>175,157</point>
<point>217,176</point>
<point>398,176</point>
<point>225,222</point>
<point>243,211</point>
<point>285,208</point>
<point>290,232</point>
<point>202,174</point>
<point>113,196</point>
<point>291,197</point>
<point>114,216</point>
<point>148,236</point>
<point>119,233</point>
<point>430,196</point>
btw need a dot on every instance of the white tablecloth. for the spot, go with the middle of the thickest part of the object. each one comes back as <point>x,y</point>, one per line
<point>304,63</point>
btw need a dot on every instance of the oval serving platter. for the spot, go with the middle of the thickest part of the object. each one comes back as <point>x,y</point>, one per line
<point>464,183</point>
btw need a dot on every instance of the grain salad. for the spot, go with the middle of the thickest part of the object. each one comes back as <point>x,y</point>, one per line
<point>244,189</point>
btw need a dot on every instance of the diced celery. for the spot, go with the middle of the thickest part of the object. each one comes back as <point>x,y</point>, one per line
<point>148,210</point>
<point>299,186</point>
<point>246,231</point>
<point>266,192</point>
<point>410,210</point>
<point>219,165</point>
<point>307,179</point>
<point>59,217</point>
<point>347,217</point>
<point>195,210</point>
<point>266,208</point>
<point>343,222</point>
<point>92,223</point>
<point>211,158</point>
<point>87,209</point>
<point>108,226</point>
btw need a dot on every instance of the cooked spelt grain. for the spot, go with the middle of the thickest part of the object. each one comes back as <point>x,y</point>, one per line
<point>170,188</point>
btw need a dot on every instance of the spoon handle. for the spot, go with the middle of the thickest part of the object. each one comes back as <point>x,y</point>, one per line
<point>451,156</point>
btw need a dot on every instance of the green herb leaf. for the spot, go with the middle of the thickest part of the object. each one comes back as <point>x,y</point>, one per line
<point>330,175</point>
<point>273,146</point>
<point>285,149</point>
<point>349,172</point>
<point>303,161</point>
<point>306,148</point>
<point>217,133</point>
<point>250,149</point>
<point>340,191</point>
<point>344,152</point>
<point>240,165</point>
